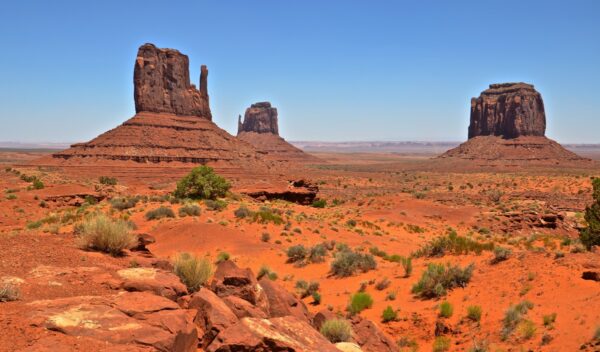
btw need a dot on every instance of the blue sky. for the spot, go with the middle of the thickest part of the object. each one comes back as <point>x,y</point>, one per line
<point>336,70</point>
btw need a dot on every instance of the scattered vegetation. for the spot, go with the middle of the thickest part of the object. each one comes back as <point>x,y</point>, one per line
<point>441,344</point>
<point>319,203</point>
<point>501,254</point>
<point>513,316</point>
<point>215,205</point>
<point>446,309</point>
<point>474,313</point>
<point>193,271</point>
<point>266,271</point>
<point>336,330</point>
<point>123,203</point>
<point>590,236</point>
<point>359,302</point>
<point>439,278</point>
<point>347,263</point>
<point>306,289</point>
<point>452,243</point>
<point>189,210</point>
<point>109,181</point>
<point>104,234</point>
<point>202,183</point>
<point>160,213</point>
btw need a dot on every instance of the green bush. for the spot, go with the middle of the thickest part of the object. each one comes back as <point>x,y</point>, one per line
<point>193,271</point>
<point>474,313</point>
<point>359,302</point>
<point>317,253</point>
<point>549,320</point>
<point>124,203</point>
<point>406,265</point>
<point>160,213</point>
<point>242,212</point>
<point>452,243</point>
<point>513,316</point>
<point>265,237</point>
<point>11,196</point>
<point>37,184</point>
<point>222,256</point>
<point>189,210</point>
<point>501,254</point>
<point>446,309</point>
<point>590,236</point>
<point>266,215</point>
<point>105,180</point>
<point>105,234</point>
<point>347,263</point>
<point>296,253</point>
<point>266,271</point>
<point>202,183</point>
<point>441,344</point>
<point>389,314</point>
<point>319,203</point>
<point>336,330</point>
<point>439,278</point>
<point>306,289</point>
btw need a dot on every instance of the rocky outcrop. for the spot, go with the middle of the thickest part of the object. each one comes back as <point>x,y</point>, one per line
<point>159,282</point>
<point>230,280</point>
<point>259,118</point>
<point>282,303</point>
<point>509,110</point>
<point>161,82</point>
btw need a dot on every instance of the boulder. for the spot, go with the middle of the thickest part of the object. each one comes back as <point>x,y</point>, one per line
<point>160,282</point>
<point>230,280</point>
<point>213,315</point>
<point>259,118</point>
<point>282,303</point>
<point>277,334</point>
<point>127,318</point>
<point>369,337</point>
<point>161,81</point>
<point>243,309</point>
<point>510,110</point>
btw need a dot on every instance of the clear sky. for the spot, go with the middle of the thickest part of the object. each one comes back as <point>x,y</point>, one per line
<point>336,70</point>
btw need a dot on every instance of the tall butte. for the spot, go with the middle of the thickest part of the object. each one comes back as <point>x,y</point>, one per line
<point>508,127</point>
<point>260,128</point>
<point>172,125</point>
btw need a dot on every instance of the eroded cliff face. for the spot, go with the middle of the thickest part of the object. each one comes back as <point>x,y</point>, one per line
<point>509,110</point>
<point>259,118</point>
<point>162,84</point>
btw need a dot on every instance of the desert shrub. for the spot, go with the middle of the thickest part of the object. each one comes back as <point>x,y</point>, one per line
<point>452,243</point>
<point>439,278</point>
<point>9,292</point>
<point>406,265</point>
<point>597,334</point>
<point>347,263</point>
<point>242,212</point>
<point>316,296</point>
<point>222,256</point>
<point>266,271</point>
<point>351,223</point>
<point>265,237</point>
<point>446,309</point>
<point>306,289</point>
<point>590,236</point>
<point>296,254</point>
<point>389,314</point>
<point>37,184</point>
<point>359,302</point>
<point>513,316</point>
<point>474,313</point>
<point>102,233</point>
<point>501,254</point>
<point>319,203</point>
<point>123,203</point>
<point>160,213</point>
<point>316,253</point>
<point>192,270</point>
<point>410,343</point>
<point>383,284</point>
<point>266,215</point>
<point>34,225</point>
<point>377,252</point>
<point>336,330</point>
<point>215,205</point>
<point>27,178</point>
<point>441,344</point>
<point>527,329</point>
<point>549,320</point>
<point>202,183</point>
<point>189,210</point>
<point>105,180</point>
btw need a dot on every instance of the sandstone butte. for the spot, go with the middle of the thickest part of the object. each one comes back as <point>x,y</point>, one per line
<point>172,131</point>
<point>508,126</point>
<point>260,128</point>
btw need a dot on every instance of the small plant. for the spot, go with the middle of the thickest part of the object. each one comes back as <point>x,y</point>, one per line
<point>336,330</point>
<point>347,263</point>
<point>265,237</point>
<point>549,320</point>
<point>405,341</point>
<point>359,302</point>
<point>160,213</point>
<point>242,212</point>
<point>590,236</point>
<point>296,253</point>
<point>9,292</point>
<point>189,210</point>
<point>527,329</point>
<point>597,334</point>
<point>454,244</point>
<point>320,203</point>
<point>316,296</point>
<point>406,265</point>
<point>306,289</point>
<point>193,271</point>
<point>513,316</point>
<point>437,279</point>
<point>446,309</point>
<point>474,313</point>
<point>389,314</point>
<point>316,254</point>
<point>441,344</point>
<point>383,284</point>
<point>37,184</point>
<point>123,203</point>
<point>104,234</point>
<point>215,205</point>
<point>202,183</point>
<point>266,271</point>
<point>105,180</point>
<point>222,256</point>
<point>501,254</point>
<point>11,196</point>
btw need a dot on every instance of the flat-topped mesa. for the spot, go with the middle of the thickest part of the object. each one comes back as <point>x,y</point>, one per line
<point>161,82</point>
<point>259,118</point>
<point>509,110</point>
